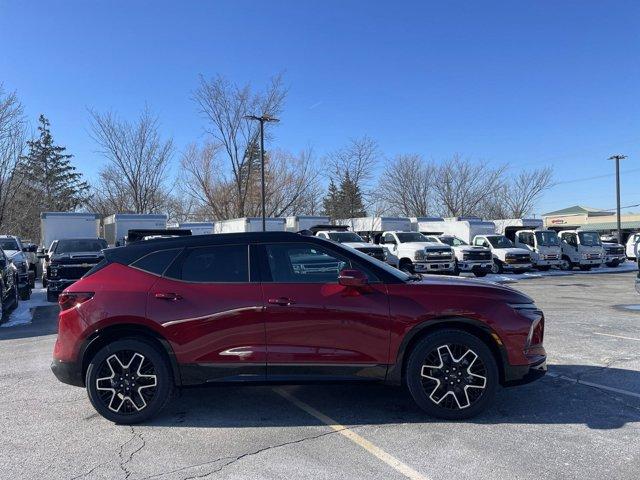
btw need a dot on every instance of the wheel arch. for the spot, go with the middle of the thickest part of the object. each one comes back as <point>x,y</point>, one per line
<point>396,373</point>
<point>108,334</point>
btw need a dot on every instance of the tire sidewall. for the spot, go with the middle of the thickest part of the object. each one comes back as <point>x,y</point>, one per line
<point>416,361</point>
<point>162,370</point>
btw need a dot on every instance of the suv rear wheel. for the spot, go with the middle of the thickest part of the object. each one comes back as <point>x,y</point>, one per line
<point>452,374</point>
<point>129,381</point>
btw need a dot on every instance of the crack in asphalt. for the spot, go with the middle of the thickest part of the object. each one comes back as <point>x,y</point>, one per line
<point>125,461</point>
<point>235,458</point>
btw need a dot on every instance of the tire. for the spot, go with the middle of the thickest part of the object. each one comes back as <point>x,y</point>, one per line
<point>585,268</point>
<point>544,268</point>
<point>496,267</point>
<point>565,264</point>
<point>25,293</point>
<point>456,271</point>
<point>139,359</point>
<point>407,267</point>
<point>16,296</point>
<point>480,273</point>
<point>440,350</point>
<point>614,263</point>
<point>44,282</point>
<point>51,297</point>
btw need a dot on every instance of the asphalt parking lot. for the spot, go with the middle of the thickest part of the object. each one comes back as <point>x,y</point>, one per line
<point>580,421</point>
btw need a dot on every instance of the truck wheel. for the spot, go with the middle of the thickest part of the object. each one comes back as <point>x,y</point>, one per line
<point>44,282</point>
<point>129,381</point>
<point>613,263</point>
<point>51,297</point>
<point>480,273</point>
<point>452,374</point>
<point>496,267</point>
<point>407,266</point>
<point>456,270</point>
<point>565,264</point>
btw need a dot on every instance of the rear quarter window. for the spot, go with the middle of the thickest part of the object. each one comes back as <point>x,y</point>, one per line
<point>156,262</point>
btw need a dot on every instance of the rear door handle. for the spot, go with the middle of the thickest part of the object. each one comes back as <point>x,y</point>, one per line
<point>282,301</point>
<point>174,297</point>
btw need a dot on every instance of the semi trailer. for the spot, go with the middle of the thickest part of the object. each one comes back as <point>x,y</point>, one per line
<point>57,225</point>
<point>116,227</point>
<point>249,224</point>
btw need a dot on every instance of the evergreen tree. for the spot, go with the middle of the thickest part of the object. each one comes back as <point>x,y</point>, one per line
<point>330,202</point>
<point>350,198</point>
<point>53,184</point>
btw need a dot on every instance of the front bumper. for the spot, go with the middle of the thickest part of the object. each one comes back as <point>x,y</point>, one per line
<point>447,266</point>
<point>469,266</point>
<point>57,286</point>
<point>620,258</point>
<point>548,263</point>
<point>594,261</point>
<point>521,374</point>
<point>67,372</point>
<point>516,266</point>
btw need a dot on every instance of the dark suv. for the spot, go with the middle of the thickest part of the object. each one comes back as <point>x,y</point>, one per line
<point>282,307</point>
<point>68,260</point>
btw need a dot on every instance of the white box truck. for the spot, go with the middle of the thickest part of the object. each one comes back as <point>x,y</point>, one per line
<point>465,228</point>
<point>57,225</point>
<point>197,228</point>
<point>297,223</point>
<point>116,227</point>
<point>249,224</point>
<point>371,228</point>
<point>582,249</point>
<point>527,233</point>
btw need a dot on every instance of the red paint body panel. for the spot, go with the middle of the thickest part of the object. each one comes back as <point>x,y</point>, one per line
<point>213,322</point>
<point>327,323</point>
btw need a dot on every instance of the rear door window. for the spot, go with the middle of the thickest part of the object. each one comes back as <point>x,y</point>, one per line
<point>303,263</point>
<point>214,264</point>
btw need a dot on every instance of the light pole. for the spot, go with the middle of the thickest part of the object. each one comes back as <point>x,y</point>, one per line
<point>262,119</point>
<point>617,158</point>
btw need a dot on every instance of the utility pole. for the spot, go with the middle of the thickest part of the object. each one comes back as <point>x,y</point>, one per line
<point>617,158</point>
<point>262,119</point>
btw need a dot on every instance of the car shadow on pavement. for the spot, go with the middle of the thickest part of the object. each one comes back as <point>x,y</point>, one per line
<point>551,400</point>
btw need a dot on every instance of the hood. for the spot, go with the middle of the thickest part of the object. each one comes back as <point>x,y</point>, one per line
<point>470,248</point>
<point>511,294</point>
<point>516,250</point>
<point>421,245</point>
<point>75,257</point>
<point>360,245</point>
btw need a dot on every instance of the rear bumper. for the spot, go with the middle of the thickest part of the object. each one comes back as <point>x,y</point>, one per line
<point>521,374</point>
<point>67,372</point>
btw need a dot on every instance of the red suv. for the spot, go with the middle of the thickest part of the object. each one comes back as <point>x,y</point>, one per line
<point>283,308</point>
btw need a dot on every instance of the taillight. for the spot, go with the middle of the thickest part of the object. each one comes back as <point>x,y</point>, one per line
<point>68,300</point>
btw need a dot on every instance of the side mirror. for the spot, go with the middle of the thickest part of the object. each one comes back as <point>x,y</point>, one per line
<point>352,278</point>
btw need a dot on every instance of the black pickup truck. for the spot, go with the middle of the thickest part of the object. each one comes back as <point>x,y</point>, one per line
<point>68,260</point>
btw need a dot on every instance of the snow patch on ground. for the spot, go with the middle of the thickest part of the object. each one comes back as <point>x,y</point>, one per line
<point>23,314</point>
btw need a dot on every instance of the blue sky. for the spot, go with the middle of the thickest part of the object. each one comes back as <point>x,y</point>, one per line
<point>526,83</point>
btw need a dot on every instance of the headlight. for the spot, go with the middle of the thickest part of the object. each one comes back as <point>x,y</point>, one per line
<point>53,271</point>
<point>531,312</point>
<point>420,255</point>
<point>585,256</point>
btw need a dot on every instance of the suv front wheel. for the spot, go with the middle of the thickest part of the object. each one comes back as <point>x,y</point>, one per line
<point>452,374</point>
<point>129,381</point>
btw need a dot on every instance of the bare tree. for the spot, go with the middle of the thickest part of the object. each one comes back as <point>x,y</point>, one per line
<point>525,189</point>
<point>225,105</point>
<point>465,188</point>
<point>13,136</point>
<point>407,186</point>
<point>138,160</point>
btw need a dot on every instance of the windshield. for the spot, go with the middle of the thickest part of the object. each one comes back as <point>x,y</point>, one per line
<point>404,237</point>
<point>500,241</point>
<point>9,244</point>
<point>80,245</point>
<point>344,237</point>
<point>589,239</point>
<point>453,241</point>
<point>547,239</point>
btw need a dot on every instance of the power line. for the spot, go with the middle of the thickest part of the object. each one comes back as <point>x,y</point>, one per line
<point>596,177</point>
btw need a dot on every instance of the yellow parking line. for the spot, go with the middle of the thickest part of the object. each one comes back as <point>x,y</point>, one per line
<point>617,336</point>
<point>376,451</point>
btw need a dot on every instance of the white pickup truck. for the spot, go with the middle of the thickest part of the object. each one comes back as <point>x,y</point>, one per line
<point>353,240</point>
<point>505,254</point>
<point>412,252</point>
<point>582,249</point>
<point>477,260</point>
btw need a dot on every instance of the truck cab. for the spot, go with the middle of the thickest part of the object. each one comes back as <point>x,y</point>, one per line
<point>506,256</point>
<point>582,249</point>
<point>412,252</point>
<point>353,240</point>
<point>633,246</point>
<point>543,246</point>
<point>477,260</point>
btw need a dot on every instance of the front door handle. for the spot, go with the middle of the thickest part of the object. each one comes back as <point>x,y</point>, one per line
<point>174,297</point>
<point>282,301</point>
